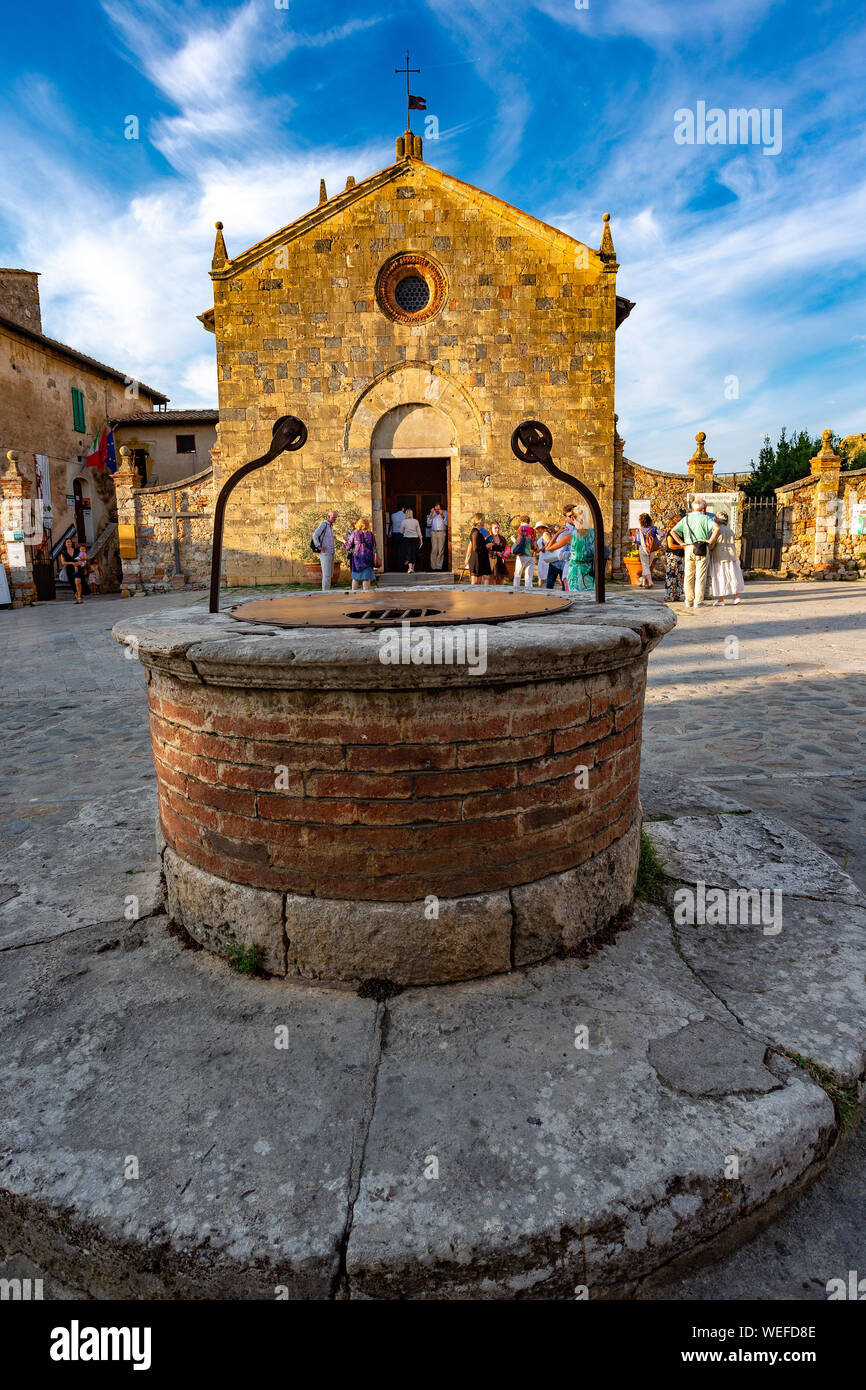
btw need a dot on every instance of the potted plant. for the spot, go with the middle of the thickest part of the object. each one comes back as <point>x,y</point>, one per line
<point>631,560</point>
<point>301,528</point>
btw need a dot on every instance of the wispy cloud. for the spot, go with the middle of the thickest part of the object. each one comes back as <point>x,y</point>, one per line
<point>123,277</point>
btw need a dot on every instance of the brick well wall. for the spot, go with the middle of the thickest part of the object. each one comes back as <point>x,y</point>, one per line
<point>396,796</point>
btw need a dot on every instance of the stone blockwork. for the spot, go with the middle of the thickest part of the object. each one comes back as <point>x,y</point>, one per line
<point>148,510</point>
<point>15,495</point>
<point>526,328</point>
<point>668,493</point>
<point>397,807</point>
<point>822,517</point>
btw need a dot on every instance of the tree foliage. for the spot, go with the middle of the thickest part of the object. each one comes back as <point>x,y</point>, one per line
<point>790,458</point>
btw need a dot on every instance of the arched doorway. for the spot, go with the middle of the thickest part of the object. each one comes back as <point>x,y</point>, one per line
<point>412,447</point>
<point>416,412</point>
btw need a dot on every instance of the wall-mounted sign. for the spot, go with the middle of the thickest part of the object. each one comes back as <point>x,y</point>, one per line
<point>858,516</point>
<point>16,555</point>
<point>126,542</point>
<point>721,501</point>
<point>636,507</point>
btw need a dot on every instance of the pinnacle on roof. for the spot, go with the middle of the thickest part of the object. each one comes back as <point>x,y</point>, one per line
<point>219,251</point>
<point>606,250</point>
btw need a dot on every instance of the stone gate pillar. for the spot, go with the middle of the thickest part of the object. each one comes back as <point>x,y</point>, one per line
<point>127,481</point>
<point>701,466</point>
<point>15,495</point>
<point>826,468</point>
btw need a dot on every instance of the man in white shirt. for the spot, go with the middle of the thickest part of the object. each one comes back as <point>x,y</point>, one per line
<point>437,525</point>
<point>323,541</point>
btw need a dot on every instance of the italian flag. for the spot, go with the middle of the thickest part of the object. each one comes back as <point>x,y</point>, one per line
<point>98,451</point>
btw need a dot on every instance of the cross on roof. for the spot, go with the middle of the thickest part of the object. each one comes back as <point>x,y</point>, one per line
<point>407,71</point>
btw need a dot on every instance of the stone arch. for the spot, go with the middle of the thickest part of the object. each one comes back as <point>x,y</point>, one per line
<point>402,395</point>
<point>405,426</point>
<point>412,383</point>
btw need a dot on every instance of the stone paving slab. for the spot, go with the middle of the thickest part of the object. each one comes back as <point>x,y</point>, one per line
<point>102,864</point>
<point>120,1043</point>
<point>753,851</point>
<point>559,1166</point>
<point>261,1166</point>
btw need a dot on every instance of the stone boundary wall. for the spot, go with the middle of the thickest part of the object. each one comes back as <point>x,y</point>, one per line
<point>818,539</point>
<point>667,493</point>
<point>148,510</point>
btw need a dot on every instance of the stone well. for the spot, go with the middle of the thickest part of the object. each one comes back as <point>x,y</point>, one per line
<point>357,819</point>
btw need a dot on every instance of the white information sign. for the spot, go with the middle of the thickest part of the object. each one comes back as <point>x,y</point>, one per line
<point>721,501</point>
<point>636,507</point>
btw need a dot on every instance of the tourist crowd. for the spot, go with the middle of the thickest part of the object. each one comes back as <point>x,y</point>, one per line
<point>698,549</point>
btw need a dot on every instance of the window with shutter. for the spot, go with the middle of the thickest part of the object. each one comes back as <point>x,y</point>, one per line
<point>78,418</point>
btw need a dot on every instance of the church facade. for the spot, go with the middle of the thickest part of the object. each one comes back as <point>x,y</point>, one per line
<point>411,321</point>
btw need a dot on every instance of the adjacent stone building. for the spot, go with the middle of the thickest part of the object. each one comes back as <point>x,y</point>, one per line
<point>53,400</point>
<point>411,321</point>
<point>168,446</point>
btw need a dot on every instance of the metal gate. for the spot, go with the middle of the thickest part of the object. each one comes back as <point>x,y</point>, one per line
<point>761,533</point>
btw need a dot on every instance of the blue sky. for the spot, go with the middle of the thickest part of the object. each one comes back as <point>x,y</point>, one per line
<point>747,268</point>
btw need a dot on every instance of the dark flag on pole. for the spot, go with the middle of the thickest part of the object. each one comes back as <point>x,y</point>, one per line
<point>417,103</point>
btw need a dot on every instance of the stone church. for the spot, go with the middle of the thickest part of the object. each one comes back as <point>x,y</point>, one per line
<point>411,321</point>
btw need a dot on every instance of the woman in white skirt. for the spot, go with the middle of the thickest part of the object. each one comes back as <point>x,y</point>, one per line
<point>726,577</point>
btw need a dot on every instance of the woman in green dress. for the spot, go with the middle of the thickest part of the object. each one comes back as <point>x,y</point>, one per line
<point>581,562</point>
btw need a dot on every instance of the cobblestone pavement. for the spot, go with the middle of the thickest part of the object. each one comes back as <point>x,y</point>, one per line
<point>760,706</point>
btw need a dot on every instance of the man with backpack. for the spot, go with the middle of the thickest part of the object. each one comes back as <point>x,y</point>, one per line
<point>322,543</point>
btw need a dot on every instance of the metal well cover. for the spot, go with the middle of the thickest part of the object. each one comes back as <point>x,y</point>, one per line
<point>476,604</point>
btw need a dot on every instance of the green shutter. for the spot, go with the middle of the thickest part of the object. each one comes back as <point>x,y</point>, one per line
<point>78,420</point>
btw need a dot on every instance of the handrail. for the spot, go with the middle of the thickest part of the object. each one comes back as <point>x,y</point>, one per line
<point>532,442</point>
<point>56,547</point>
<point>289,434</point>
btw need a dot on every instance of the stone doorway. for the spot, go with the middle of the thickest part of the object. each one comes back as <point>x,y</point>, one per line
<point>418,483</point>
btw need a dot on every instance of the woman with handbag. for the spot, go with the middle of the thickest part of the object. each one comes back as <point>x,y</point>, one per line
<point>361,545</point>
<point>649,544</point>
<point>674,564</point>
<point>72,568</point>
